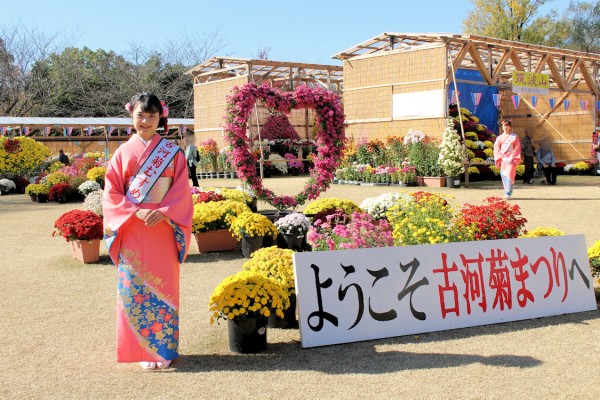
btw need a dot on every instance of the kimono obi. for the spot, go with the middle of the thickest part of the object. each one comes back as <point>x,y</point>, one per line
<point>159,190</point>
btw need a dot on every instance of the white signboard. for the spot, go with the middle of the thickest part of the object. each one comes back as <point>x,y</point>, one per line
<point>425,104</point>
<point>353,295</point>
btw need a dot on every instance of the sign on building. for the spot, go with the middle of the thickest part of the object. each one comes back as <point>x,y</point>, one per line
<point>530,82</point>
<point>353,295</point>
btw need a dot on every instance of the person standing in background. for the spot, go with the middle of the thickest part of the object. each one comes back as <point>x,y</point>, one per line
<point>545,158</point>
<point>527,154</point>
<point>507,154</point>
<point>62,157</point>
<point>192,157</point>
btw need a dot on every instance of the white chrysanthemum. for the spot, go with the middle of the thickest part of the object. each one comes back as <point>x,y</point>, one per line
<point>93,202</point>
<point>88,187</point>
<point>7,185</point>
<point>377,207</point>
<point>451,151</point>
<point>281,166</point>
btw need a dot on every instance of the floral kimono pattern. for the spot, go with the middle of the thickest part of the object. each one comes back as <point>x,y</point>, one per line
<point>147,258</point>
<point>507,153</point>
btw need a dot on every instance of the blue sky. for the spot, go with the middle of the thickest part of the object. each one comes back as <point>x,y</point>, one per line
<point>303,31</point>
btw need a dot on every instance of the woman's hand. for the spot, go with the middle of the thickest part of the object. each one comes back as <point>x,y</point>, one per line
<point>142,213</point>
<point>154,217</point>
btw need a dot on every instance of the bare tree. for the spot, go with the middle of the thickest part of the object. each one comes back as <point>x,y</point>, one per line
<point>22,85</point>
<point>263,54</point>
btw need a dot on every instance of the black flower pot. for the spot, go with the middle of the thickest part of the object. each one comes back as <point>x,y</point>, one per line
<point>251,244</point>
<point>453,182</point>
<point>294,242</point>
<point>41,198</point>
<point>289,320</point>
<point>253,205</point>
<point>247,334</point>
<point>33,197</point>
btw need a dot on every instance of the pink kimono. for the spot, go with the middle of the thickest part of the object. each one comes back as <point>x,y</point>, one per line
<point>507,153</point>
<point>147,258</point>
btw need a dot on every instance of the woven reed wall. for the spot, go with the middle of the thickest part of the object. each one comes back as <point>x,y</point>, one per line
<point>209,103</point>
<point>370,82</point>
<point>575,125</point>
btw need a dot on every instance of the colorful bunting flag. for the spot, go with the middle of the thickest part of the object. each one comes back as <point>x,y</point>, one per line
<point>552,102</point>
<point>496,97</point>
<point>534,100</point>
<point>567,104</point>
<point>584,104</point>
<point>598,106</point>
<point>454,96</point>
<point>516,100</point>
<point>476,97</point>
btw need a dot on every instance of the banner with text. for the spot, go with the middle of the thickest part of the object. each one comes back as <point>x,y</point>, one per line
<point>353,295</point>
<point>530,82</point>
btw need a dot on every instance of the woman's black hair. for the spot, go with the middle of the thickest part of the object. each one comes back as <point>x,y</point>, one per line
<point>149,103</point>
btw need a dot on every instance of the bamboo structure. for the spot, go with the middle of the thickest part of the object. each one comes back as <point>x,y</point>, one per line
<point>215,78</point>
<point>408,63</point>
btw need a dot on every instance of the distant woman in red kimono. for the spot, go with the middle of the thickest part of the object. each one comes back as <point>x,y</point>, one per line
<point>507,154</point>
<point>147,222</point>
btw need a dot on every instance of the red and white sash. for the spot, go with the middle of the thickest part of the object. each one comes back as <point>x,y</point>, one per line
<point>150,171</point>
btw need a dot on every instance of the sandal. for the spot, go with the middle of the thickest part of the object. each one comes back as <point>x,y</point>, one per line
<point>148,365</point>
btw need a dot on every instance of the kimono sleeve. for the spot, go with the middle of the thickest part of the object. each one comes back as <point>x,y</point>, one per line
<point>177,205</point>
<point>117,209</point>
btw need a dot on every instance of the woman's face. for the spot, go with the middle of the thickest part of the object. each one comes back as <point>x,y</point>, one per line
<point>144,123</point>
<point>506,128</point>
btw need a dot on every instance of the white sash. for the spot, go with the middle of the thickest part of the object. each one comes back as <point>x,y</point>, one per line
<point>508,142</point>
<point>151,170</point>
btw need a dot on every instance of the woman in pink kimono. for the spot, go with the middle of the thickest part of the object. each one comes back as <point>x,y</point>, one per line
<point>507,154</point>
<point>147,220</point>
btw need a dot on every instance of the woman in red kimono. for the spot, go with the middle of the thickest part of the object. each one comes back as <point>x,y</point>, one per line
<point>507,154</point>
<point>147,220</point>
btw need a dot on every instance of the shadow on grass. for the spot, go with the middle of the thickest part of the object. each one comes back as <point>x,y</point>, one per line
<point>375,356</point>
<point>213,257</point>
<point>363,358</point>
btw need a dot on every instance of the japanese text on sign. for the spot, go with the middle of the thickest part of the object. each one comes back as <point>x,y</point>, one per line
<point>530,82</point>
<point>353,295</point>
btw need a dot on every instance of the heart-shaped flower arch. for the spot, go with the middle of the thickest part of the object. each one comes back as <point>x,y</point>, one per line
<point>330,138</point>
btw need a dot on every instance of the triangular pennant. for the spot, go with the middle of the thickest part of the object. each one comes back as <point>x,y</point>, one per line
<point>496,97</point>
<point>584,104</point>
<point>534,100</point>
<point>516,100</point>
<point>552,102</point>
<point>567,104</point>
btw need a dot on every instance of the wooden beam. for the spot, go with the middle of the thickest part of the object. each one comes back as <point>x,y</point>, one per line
<point>480,65</point>
<point>572,73</point>
<point>516,60</point>
<point>541,63</point>
<point>556,74</point>
<point>500,66</point>
<point>588,79</point>
<point>461,55</point>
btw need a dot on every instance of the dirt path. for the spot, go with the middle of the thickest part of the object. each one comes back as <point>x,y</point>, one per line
<point>58,324</point>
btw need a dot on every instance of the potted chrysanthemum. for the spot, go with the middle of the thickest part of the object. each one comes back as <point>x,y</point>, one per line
<point>246,300</point>
<point>211,223</point>
<point>277,263</point>
<point>251,228</point>
<point>452,155</point>
<point>293,228</point>
<point>83,230</point>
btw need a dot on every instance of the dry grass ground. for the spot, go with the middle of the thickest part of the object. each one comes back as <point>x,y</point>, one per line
<point>58,322</point>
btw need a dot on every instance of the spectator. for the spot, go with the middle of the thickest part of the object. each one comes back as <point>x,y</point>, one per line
<point>192,157</point>
<point>62,157</point>
<point>527,153</point>
<point>545,158</point>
